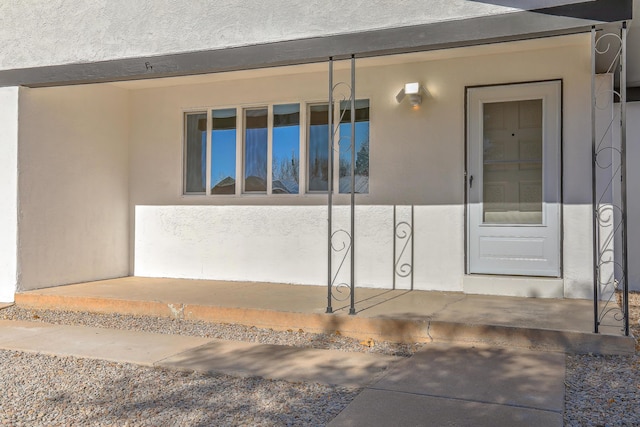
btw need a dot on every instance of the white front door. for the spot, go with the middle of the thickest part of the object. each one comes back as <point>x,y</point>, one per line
<point>514,179</point>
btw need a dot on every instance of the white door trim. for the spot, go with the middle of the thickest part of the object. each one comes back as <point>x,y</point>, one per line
<point>516,249</point>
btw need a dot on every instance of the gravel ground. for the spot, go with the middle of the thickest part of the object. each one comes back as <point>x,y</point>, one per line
<point>605,390</point>
<point>226,331</point>
<point>600,390</point>
<point>96,393</point>
<point>83,392</point>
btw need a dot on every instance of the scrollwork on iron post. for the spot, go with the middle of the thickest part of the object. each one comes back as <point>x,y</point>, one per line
<point>340,244</point>
<point>402,236</point>
<point>345,247</point>
<point>609,185</point>
<point>605,39</point>
<point>403,232</point>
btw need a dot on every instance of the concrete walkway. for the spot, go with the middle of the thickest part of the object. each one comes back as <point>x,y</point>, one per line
<point>449,385</point>
<point>440,385</point>
<point>196,354</point>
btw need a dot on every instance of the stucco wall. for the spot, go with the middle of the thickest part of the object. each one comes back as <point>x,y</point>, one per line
<point>9,110</point>
<point>417,158</point>
<point>633,193</point>
<point>73,163</point>
<point>114,29</point>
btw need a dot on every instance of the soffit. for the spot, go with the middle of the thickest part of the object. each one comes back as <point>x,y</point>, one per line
<point>513,26</point>
<point>378,61</point>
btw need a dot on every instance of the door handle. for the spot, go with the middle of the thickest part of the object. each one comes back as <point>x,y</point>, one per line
<point>471,181</point>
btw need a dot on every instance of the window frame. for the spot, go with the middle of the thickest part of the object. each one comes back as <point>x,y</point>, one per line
<point>307,142</point>
<point>243,173</point>
<point>240,149</point>
<point>185,158</point>
<point>335,178</point>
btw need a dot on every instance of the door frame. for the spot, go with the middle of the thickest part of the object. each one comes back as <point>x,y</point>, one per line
<point>466,173</point>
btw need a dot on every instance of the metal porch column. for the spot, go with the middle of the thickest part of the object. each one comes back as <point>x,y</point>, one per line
<point>340,242</point>
<point>609,183</point>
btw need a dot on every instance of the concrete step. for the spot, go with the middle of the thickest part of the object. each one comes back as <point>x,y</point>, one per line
<point>396,316</point>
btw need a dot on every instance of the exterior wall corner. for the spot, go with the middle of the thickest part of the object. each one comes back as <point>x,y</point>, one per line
<point>9,116</point>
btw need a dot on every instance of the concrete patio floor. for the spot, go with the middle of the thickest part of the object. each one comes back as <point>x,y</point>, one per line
<point>393,315</point>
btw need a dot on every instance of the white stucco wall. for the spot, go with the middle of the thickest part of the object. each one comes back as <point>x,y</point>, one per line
<point>9,110</point>
<point>73,163</point>
<point>416,158</point>
<point>633,193</point>
<point>115,29</point>
<point>288,244</point>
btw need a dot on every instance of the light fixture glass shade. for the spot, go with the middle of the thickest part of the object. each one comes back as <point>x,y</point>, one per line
<point>414,91</point>
<point>412,88</point>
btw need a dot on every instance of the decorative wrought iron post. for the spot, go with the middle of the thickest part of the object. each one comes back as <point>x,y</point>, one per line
<point>623,167</point>
<point>330,188</point>
<point>352,308</point>
<point>341,241</point>
<point>609,182</point>
<point>594,196</point>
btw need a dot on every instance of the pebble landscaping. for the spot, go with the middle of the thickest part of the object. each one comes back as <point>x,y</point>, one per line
<point>42,390</point>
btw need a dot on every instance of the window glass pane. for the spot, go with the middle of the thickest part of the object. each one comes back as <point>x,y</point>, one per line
<point>512,162</point>
<point>318,148</point>
<point>195,152</point>
<point>362,146</point>
<point>223,151</point>
<point>286,149</point>
<point>255,150</point>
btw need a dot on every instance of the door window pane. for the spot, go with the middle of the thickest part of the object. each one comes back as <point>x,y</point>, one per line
<point>286,149</point>
<point>255,150</point>
<point>362,146</point>
<point>223,151</point>
<point>195,152</point>
<point>318,170</point>
<point>512,162</point>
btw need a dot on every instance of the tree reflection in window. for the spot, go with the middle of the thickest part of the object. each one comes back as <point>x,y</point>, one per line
<point>286,149</point>
<point>223,151</point>
<point>318,148</point>
<point>362,147</point>
<point>255,150</point>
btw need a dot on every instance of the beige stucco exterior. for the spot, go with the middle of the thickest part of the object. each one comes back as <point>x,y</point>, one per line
<point>114,29</point>
<point>99,173</point>
<point>73,185</point>
<point>9,112</point>
<point>417,158</point>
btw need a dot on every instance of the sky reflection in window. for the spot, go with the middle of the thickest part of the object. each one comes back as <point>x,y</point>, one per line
<point>223,151</point>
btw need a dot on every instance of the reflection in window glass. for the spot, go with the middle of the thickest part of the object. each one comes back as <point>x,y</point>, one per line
<point>195,152</point>
<point>318,148</point>
<point>255,150</point>
<point>286,149</point>
<point>362,147</point>
<point>512,162</point>
<point>223,151</point>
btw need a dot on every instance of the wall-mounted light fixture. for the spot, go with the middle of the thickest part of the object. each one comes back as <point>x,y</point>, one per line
<point>415,92</point>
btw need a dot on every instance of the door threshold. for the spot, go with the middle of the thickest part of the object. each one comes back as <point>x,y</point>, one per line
<point>513,286</point>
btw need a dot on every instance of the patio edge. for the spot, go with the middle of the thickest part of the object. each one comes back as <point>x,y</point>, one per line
<point>378,328</point>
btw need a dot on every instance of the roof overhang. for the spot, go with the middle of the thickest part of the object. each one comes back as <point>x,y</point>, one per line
<point>519,25</point>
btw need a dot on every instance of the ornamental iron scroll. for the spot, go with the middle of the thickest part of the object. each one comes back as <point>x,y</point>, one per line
<point>341,242</point>
<point>402,248</point>
<point>340,245</point>
<point>609,178</point>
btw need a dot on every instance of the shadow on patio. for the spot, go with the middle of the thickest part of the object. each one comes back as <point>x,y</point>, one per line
<point>382,314</point>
